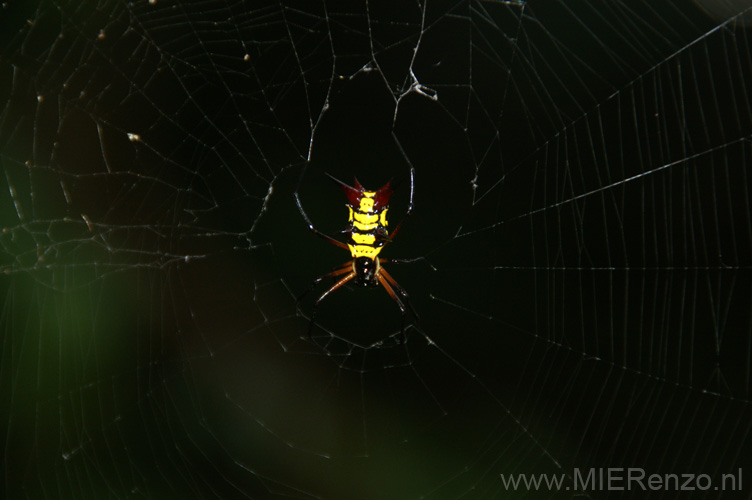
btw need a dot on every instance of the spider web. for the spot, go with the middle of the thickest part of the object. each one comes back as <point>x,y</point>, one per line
<point>580,251</point>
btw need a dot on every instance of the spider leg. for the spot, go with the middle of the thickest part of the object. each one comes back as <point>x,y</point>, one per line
<point>347,266</point>
<point>394,297</point>
<point>401,291</point>
<point>332,289</point>
<point>409,206</point>
<point>313,229</point>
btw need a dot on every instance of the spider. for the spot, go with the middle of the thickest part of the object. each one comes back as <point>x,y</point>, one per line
<point>367,234</point>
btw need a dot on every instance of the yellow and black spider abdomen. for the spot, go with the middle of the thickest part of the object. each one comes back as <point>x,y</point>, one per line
<point>367,217</point>
<point>367,231</point>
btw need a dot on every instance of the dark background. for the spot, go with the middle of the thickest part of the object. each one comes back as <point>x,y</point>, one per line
<point>582,238</point>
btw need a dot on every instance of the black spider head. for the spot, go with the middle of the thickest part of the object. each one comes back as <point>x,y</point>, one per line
<point>365,268</point>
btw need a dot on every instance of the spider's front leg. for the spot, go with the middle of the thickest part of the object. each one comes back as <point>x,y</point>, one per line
<point>385,283</point>
<point>347,267</point>
<point>314,230</point>
<point>334,272</point>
